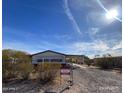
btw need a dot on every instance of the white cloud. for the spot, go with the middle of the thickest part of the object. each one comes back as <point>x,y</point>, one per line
<point>117,52</point>
<point>91,46</point>
<point>97,47</point>
<point>93,31</point>
<point>90,49</point>
<point>117,46</point>
<point>97,10</point>
<point>71,17</point>
<point>98,18</point>
<point>80,4</point>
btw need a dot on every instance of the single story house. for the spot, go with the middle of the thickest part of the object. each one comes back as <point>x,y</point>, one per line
<point>48,56</point>
<point>52,56</point>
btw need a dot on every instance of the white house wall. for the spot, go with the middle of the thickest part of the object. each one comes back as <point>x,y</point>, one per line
<point>47,55</point>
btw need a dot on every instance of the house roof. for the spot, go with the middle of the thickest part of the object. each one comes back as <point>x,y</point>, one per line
<point>68,55</point>
<point>75,55</point>
<point>48,51</point>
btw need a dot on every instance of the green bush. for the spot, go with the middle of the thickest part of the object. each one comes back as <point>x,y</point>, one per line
<point>88,62</point>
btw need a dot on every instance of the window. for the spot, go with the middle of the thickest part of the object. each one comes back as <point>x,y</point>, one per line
<point>46,60</point>
<point>56,60</point>
<point>40,60</point>
<point>49,60</point>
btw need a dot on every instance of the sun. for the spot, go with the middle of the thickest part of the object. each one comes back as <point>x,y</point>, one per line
<point>111,14</point>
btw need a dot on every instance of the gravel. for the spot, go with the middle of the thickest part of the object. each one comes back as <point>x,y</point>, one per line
<point>88,80</point>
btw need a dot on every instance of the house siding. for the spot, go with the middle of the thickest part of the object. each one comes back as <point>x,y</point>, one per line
<point>47,55</point>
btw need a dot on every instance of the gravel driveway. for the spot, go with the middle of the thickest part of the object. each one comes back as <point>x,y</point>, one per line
<point>91,80</point>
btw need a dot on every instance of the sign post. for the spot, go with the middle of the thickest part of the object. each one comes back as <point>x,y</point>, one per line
<point>66,69</point>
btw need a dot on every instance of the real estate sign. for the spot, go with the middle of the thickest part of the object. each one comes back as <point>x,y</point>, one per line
<point>65,69</point>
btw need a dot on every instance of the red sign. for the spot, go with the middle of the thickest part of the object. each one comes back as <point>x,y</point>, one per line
<point>65,71</point>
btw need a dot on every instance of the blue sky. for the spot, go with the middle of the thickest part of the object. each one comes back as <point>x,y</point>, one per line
<point>67,26</point>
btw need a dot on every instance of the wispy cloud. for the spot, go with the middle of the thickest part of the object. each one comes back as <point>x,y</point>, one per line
<point>94,48</point>
<point>100,36</point>
<point>93,31</point>
<point>96,45</point>
<point>71,17</point>
<point>117,46</point>
<point>89,49</point>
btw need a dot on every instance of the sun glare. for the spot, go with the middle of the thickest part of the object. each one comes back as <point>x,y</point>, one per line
<point>111,14</point>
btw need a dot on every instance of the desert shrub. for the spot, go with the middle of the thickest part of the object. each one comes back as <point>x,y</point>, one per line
<point>24,69</point>
<point>48,71</point>
<point>88,62</point>
<point>8,70</point>
<point>108,63</point>
<point>102,63</point>
<point>15,63</point>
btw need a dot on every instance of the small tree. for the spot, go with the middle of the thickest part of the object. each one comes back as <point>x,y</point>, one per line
<point>88,62</point>
<point>105,62</point>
